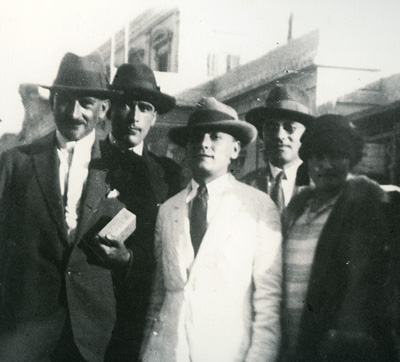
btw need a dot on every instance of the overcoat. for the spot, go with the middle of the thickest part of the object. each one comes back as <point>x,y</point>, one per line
<point>47,280</point>
<point>348,307</point>
<point>224,304</point>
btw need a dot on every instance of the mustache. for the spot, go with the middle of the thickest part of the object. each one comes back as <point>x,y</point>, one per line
<point>69,120</point>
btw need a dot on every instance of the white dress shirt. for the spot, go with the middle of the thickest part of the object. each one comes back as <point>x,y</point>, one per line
<point>288,183</point>
<point>215,191</point>
<point>74,159</point>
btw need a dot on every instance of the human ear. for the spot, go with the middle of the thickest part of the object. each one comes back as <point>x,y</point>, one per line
<point>236,147</point>
<point>105,106</point>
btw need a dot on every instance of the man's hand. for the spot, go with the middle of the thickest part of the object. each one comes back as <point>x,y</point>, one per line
<point>112,251</point>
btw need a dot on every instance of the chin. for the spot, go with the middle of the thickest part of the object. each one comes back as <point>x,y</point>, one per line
<point>132,141</point>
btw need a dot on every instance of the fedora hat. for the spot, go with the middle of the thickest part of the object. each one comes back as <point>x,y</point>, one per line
<point>210,114</point>
<point>137,81</point>
<point>86,75</point>
<point>283,101</point>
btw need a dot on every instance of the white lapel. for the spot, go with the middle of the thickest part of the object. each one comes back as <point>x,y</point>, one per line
<point>178,256</point>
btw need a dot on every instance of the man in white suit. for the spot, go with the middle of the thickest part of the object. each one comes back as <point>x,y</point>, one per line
<point>218,247</point>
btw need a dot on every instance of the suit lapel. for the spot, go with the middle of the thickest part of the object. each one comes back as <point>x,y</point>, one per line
<point>180,244</point>
<point>156,177</point>
<point>47,171</point>
<point>96,190</point>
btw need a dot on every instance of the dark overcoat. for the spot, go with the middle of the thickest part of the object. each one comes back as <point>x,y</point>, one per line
<point>143,183</point>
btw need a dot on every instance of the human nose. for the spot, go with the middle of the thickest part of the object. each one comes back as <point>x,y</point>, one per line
<point>281,133</point>
<point>206,141</point>
<point>134,113</point>
<point>75,109</point>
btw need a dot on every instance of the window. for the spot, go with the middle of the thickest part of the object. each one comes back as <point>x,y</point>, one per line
<point>136,56</point>
<point>161,46</point>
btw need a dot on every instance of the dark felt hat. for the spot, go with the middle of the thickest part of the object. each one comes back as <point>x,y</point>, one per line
<point>137,81</point>
<point>86,75</point>
<point>212,115</point>
<point>283,101</point>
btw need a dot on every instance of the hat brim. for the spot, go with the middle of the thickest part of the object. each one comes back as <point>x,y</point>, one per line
<point>95,92</point>
<point>257,116</point>
<point>161,101</point>
<point>244,132</point>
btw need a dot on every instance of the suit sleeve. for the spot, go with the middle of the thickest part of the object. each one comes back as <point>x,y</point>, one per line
<point>267,281</point>
<point>158,288</point>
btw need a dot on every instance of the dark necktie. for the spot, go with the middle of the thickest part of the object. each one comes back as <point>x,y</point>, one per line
<point>198,217</point>
<point>277,192</point>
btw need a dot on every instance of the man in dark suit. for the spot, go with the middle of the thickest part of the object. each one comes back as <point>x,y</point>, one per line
<point>58,278</point>
<point>280,124</point>
<point>144,181</point>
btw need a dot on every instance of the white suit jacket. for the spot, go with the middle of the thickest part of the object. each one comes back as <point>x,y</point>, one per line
<point>224,305</point>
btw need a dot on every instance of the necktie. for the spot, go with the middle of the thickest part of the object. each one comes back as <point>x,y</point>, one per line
<point>276,193</point>
<point>72,195</point>
<point>198,217</point>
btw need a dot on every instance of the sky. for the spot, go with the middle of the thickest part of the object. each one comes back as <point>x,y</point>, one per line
<point>35,34</point>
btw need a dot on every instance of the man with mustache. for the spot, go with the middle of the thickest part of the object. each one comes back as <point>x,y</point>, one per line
<point>143,181</point>
<point>280,124</point>
<point>57,279</point>
<point>217,289</point>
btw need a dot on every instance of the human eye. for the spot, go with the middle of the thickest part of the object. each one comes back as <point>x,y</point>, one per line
<point>122,106</point>
<point>61,98</point>
<point>289,127</point>
<point>87,102</point>
<point>145,107</point>
<point>215,135</point>
<point>272,127</point>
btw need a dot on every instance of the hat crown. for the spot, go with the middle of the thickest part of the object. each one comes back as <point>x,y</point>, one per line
<point>82,73</point>
<point>134,76</point>
<point>212,115</point>
<point>288,97</point>
<point>209,110</point>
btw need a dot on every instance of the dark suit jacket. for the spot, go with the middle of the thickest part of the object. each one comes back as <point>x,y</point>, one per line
<point>348,306</point>
<point>44,279</point>
<point>261,179</point>
<point>144,183</point>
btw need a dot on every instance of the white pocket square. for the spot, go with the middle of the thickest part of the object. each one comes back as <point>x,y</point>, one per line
<point>114,193</point>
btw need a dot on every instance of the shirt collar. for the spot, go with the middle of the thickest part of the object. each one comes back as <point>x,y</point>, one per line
<point>85,142</point>
<point>290,172</point>
<point>137,149</point>
<point>214,188</point>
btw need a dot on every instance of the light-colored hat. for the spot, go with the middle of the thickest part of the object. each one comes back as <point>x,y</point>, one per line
<point>212,115</point>
<point>284,100</point>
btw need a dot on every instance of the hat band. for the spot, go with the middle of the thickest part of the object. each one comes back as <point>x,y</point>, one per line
<point>289,105</point>
<point>81,79</point>
<point>208,116</point>
<point>138,84</point>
